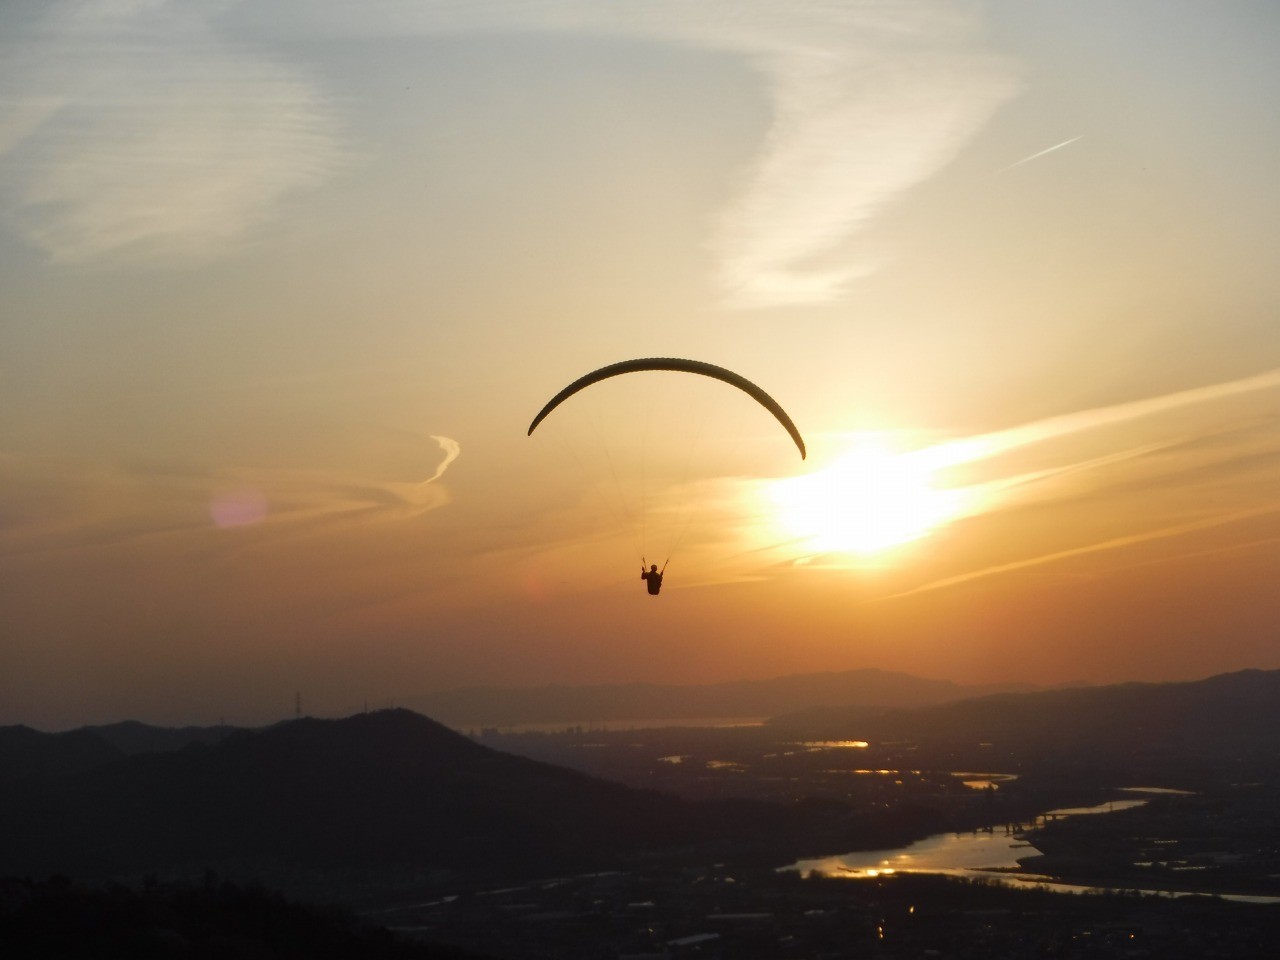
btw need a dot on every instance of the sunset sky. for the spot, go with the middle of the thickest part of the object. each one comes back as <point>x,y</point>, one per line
<point>284,284</point>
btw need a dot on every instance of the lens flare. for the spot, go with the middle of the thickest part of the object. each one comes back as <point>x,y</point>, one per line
<point>237,508</point>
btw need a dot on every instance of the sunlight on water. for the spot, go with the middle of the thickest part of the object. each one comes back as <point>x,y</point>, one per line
<point>945,852</point>
<point>984,781</point>
<point>978,854</point>
<point>1162,790</point>
<point>1109,807</point>
<point>942,853</point>
<point>835,744</point>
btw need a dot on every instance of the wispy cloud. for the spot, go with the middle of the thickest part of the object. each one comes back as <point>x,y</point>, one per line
<point>1113,543</point>
<point>138,128</point>
<point>1173,478</point>
<point>146,127</point>
<point>986,446</point>
<point>58,503</point>
<point>451,449</point>
<point>869,99</point>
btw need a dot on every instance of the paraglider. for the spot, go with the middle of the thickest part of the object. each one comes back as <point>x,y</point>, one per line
<point>652,576</point>
<point>681,366</point>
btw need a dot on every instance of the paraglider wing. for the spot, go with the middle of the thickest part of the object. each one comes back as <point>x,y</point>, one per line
<point>682,366</point>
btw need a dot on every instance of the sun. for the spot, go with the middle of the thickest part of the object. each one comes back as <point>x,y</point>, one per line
<point>870,499</point>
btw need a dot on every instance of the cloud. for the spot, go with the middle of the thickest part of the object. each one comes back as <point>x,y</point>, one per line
<point>138,128</point>
<point>53,503</point>
<point>986,446</point>
<point>292,495</point>
<point>413,498</point>
<point>1165,488</point>
<point>869,99</point>
<point>1114,543</point>
<point>145,127</point>
<point>1158,468</point>
<point>451,450</point>
<point>1205,446</point>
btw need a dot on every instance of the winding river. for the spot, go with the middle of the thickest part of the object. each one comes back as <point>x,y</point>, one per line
<point>977,854</point>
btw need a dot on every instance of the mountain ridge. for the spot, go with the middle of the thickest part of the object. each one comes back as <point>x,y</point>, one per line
<point>868,687</point>
<point>387,788</point>
<point>396,794</point>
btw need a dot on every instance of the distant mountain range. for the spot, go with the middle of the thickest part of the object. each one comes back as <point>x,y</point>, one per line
<point>386,789</point>
<point>27,753</point>
<point>503,707</point>
<point>130,736</point>
<point>395,791</point>
<point>1189,732</point>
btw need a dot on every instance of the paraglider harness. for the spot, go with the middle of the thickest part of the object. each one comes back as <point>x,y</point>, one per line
<point>653,576</point>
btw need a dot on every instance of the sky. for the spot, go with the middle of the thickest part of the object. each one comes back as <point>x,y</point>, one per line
<point>284,285</point>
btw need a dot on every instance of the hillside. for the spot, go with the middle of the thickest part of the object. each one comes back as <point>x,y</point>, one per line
<point>130,736</point>
<point>28,753</point>
<point>385,789</point>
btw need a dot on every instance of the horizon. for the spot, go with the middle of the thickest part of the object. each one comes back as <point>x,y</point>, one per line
<point>284,289</point>
<point>297,709</point>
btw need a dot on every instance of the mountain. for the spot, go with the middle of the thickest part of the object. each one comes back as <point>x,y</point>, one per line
<point>501,707</point>
<point>387,789</point>
<point>1189,732</point>
<point>28,753</point>
<point>130,736</point>
<point>399,797</point>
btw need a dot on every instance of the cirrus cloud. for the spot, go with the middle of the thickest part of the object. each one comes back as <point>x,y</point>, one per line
<point>140,128</point>
<point>869,99</point>
<point>149,126</point>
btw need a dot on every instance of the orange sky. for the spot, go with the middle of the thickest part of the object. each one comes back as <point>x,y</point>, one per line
<point>284,288</point>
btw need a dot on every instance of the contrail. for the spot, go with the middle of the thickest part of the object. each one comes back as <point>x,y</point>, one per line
<point>1034,156</point>
<point>1112,544</point>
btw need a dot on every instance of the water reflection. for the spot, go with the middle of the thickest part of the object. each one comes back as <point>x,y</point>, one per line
<point>835,744</point>
<point>983,781</point>
<point>960,854</point>
<point>1108,807</point>
<point>950,853</point>
<point>991,855</point>
<point>1165,790</point>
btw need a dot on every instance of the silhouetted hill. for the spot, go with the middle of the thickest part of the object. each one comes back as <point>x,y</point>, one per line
<point>388,788</point>
<point>55,918</point>
<point>499,707</point>
<point>29,753</point>
<point>1175,730</point>
<point>25,752</point>
<point>130,736</point>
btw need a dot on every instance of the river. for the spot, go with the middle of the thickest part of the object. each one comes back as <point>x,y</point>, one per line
<point>977,854</point>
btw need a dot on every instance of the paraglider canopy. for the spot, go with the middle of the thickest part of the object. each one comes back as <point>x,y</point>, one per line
<point>682,366</point>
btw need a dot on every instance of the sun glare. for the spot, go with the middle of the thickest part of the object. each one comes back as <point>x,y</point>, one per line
<point>868,500</point>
